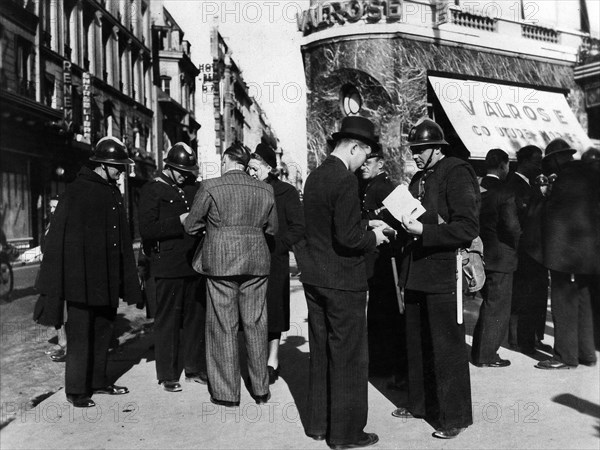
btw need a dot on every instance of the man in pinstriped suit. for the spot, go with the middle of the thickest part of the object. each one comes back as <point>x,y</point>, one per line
<point>236,211</point>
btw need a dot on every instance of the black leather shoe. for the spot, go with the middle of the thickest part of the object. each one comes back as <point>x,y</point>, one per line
<point>171,386</point>
<point>224,403</point>
<point>402,413</point>
<point>498,363</point>
<point>366,441</point>
<point>317,437</point>
<point>80,400</point>
<point>199,377</point>
<point>273,374</point>
<point>262,399</point>
<point>551,364</point>
<point>449,433</point>
<point>587,363</point>
<point>111,390</point>
<point>59,357</point>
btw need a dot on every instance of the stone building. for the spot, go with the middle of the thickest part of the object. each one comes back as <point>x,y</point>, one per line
<point>175,75</point>
<point>493,74</point>
<point>72,72</point>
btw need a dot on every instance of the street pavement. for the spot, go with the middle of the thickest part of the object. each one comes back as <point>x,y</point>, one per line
<point>514,407</point>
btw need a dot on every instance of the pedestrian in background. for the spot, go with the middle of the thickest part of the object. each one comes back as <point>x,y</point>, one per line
<point>89,264</point>
<point>500,232</point>
<point>180,290</point>
<point>236,211</point>
<point>290,216</point>
<point>334,276</point>
<point>386,328</point>
<point>439,387</point>
<point>569,245</point>
<point>58,352</point>
<point>530,280</point>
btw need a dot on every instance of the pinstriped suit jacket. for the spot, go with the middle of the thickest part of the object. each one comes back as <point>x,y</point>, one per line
<point>236,211</point>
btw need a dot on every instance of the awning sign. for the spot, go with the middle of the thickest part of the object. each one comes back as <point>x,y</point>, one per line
<point>487,115</point>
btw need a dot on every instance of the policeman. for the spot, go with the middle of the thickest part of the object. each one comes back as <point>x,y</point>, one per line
<point>89,263</point>
<point>387,340</point>
<point>439,387</point>
<point>180,295</point>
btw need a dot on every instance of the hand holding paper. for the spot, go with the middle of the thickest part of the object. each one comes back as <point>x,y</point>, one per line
<point>400,203</point>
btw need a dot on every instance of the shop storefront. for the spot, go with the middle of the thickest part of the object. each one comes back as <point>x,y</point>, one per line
<point>487,82</point>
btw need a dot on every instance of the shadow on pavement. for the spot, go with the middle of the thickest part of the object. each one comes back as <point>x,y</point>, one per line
<point>294,371</point>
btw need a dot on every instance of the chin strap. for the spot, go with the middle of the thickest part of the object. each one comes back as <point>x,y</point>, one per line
<point>429,160</point>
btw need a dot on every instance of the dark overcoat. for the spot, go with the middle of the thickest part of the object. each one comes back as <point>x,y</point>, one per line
<point>499,226</point>
<point>169,247</point>
<point>88,257</point>
<point>568,221</point>
<point>291,230</point>
<point>451,221</point>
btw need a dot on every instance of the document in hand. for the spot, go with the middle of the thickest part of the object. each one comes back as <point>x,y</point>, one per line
<point>401,203</point>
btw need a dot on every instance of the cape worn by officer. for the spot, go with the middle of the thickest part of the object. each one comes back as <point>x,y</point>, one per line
<point>89,264</point>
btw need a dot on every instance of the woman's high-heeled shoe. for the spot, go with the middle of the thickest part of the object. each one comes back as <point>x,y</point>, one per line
<point>273,374</point>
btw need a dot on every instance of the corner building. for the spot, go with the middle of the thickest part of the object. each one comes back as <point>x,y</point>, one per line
<point>493,74</point>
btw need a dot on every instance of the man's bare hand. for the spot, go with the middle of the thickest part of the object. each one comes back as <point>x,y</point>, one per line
<point>183,216</point>
<point>380,237</point>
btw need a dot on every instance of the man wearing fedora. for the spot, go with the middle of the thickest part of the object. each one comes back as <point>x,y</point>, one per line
<point>333,273</point>
<point>568,244</point>
<point>180,290</point>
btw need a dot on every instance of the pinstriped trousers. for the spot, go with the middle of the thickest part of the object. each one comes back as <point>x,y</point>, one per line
<point>229,300</point>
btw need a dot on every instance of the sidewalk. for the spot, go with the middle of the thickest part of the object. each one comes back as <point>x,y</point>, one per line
<point>514,407</point>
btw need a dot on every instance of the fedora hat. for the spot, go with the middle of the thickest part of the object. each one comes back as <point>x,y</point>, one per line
<point>356,127</point>
<point>558,145</point>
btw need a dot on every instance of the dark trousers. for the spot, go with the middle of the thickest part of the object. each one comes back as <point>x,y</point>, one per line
<point>89,331</point>
<point>573,318</point>
<point>529,303</point>
<point>229,300</point>
<point>179,327</point>
<point>386,329</point>
<point>494,316</point>
<point>439,384</point>
<point>339,364</point>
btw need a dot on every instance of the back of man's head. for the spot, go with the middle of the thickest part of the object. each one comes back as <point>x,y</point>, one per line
<point>525,154</point>
<point>238,153</point>
<point>495,159</point>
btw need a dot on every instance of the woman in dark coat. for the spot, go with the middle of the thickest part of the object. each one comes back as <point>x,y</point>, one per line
<point>262,166</point>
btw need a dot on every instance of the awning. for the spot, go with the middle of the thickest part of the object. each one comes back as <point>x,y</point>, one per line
<point>488,115</point>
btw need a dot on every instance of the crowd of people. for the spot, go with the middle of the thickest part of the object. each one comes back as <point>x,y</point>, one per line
<point>215,259</point>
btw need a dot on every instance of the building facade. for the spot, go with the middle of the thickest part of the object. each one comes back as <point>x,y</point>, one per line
<point>175,75</point>
<point>72,72</point>
<point>493,74</point>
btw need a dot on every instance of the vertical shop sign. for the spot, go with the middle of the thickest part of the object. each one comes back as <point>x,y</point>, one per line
<point>67,94</point>
<point>87,107</point>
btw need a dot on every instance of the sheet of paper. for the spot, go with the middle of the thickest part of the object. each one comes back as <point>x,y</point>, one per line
<point>400,203</point>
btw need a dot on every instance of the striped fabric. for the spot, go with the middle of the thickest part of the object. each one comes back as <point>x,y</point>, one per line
<point>236,212</point>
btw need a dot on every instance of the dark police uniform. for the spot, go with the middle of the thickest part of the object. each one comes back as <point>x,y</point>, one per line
<point>439,386</point>
<point>180,293</point>
<point>89,263</point>
<point>386,329</point>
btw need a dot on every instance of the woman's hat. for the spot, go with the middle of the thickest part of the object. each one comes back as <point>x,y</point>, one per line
<point>267,154</point>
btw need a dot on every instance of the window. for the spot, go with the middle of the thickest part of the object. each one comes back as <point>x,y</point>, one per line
<point>49,87</point>
<point>165,84</point>
<point>351,101</point>
<point>25,85</point>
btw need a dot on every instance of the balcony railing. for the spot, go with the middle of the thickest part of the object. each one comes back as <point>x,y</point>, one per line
<point>538,33</point>
<point>26,88</point>
<point>466,19</point>
<point>589,51</point>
